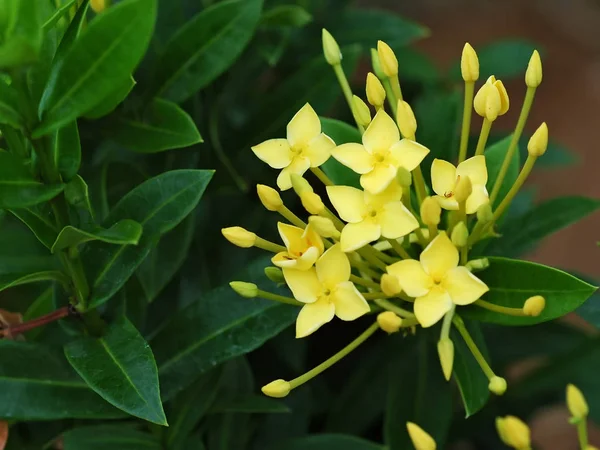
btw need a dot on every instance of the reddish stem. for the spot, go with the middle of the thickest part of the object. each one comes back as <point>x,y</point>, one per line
<point>42,320</point>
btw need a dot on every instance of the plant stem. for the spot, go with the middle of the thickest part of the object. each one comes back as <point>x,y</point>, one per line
<point>363,282</point>
<point>291,217</point>
<point>419,185</point>
<point>405,314</point>
<point>321,176</point>
<point>395,83</point>
<point>343,82</point>
<point>582,434</point>
<point>501,309</point>
<point>460,326</point>
<point>391,96</point>
<point>466,120</point>
<point>278,298</point>
<point>447,322</point>
<point>31,324</point>
<point>269,246</point>
<point>486,126</point>
<point>399,249</point>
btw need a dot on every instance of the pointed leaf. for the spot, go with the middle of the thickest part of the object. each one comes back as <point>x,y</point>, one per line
<point>9,106</point>
<point>109,437</point>
<point>77,194</point>
<point>9,280</point>
<point>112,100</point>
<point>66,151</point>
<point>125,232</point>
<point>40,221</point>
<point>58,14</point>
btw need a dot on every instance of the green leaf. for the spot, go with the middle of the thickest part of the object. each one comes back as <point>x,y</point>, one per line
<point>511,282</point>
<point>47,388</point>
<point>494,156</point>
<point>293,16</point>
<point>523,232</point>
<point>66,151</point>
<point>40,221</point>
<point>341,133</point>
<point>22,37</point>
<point>77,194</point>
<point>416,66</point>
<point>72,32</point>
<point>204,48</point>
<point>120,367</point>
<point>22,252</point>
<point>556,156</point>
<point>9,106</point>
<point>124,232</point>
<point>162,126</point>
<point>18,188</point>
<point>327,442</point>
<point>42,305</point>
<point>58,14</point>
<point>251,404</point>
<point>109,437</point>
<point>9,280</point>
<point>158,204</point>
<point>109,103</point>
<point>108,49</point>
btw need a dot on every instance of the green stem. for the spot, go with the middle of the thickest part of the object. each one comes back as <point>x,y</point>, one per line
<point>460,326</point>
<point>582,434</point>
<point>447,322</point>
<point>391,96</point>
<point>466,120</point>
<point>213,132</point>
<point>395,83</point>
<point>364,267</point>
<point>399,249</point>
<point>486,126</point>
<point>501,309</point>
<point>382,256</point>
<point>385,304</point>
<point>419,185</point>
<point>371,257</point>
<point>433,231</point>
<point>321,176</point>
<point>278,298</point>
<point>363,282</point>
<point>291,217</point>
<point>268,245</point>
<point>376,295</point>
<point>343,82</point>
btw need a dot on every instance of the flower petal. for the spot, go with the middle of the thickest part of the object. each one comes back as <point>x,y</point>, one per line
<point>475,168</point>
<point>304,126</point>
<point>349,303</point>
<point>449,203</point>
<point>412,278</point>
<point>354,156</point>
<point>396,221</point>
<point>304,284</point>
<point>478,197</point>
<point>357,235</point>
<point>393,193</point>
<point>299,165</point>
<point>443,176</point>
<point>275,152</point>
<point>381,133</point>
<point>312,238</point>
<point>430,308</point>
<point>463,287</point>
<point>319,149</point>
<point>333,267</point>
<point>313,316</point>
<point>308,258</point>
<point>349,202</point>
<point>284,259</point>
<point>408,154</point>
<point>439,257</point>
<point>378,179</point>
<point>291,237</point>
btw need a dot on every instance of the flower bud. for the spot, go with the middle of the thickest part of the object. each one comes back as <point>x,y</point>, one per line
<point>533,75</point>
<point>377,64</point>
<point>460,235</point>
<point>538,143</point>
<point>300,185</point>
<point>387,58</point>
<point>491,100</point>
<point>477,265</point>
<point>431,211</point>
<point>390,285</point>
<point>389,322</point>
<point>420,438</point>
<point>361,111</point>
<point>469,63</point>
<point>269,197</point>
<point>445,348</point>
<point>331,49</point>
<point>277,389</point>
<point>591,447</point>
<point>534,305</point>
<point>576,403</point>
<point>497,385</point>
<point>274,274</point>
<point>375,91</point>
<point>248,290</point>
<point>239,236</point>
<point>404,177</point>
<point>463,189</point>
<point>406,120</point>
<point>312,203</point>
<point>513,432</point>
<point>324,227</point>
<point>98,5</point>
<point>485,214</point>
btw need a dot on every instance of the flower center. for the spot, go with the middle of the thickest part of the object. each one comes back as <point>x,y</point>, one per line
<point>373,213</point>
<point>298,149</point>
<point>379,158</point>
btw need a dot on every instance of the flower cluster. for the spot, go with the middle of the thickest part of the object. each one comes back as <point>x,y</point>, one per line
<point>388,244</point>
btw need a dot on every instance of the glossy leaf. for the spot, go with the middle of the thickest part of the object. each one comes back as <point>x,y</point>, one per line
<point>72,32</point>
<point>43,304</point>
<point>9,280</point>
<point>494,156</point>
<point>9,106</point>
<point>109,437</point>
<point>328,442</point>
<point>251,404</point>
<point>66,151</point>
<point>77,194</point>
<point>120,367</point>
<point>22,37</point>
<point>511,282</point>
<point>21,252</point>
<point>204,48</point>
<point>162,126</point>
<point>109,48</point>
<point>40,221</point>
<point>124,232</point>
<point>112,100</point>
<point>63,10</point>
<point>590,310</point>
<point>285,16</point>
<point>341,133</point>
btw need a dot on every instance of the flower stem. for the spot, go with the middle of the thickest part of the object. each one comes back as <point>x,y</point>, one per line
<point>460,326</point>
<point>343,82</point>
<point>291,217</point>
<point>268,245</point>
<point>486,126</point>
<point>501,309</point>
<point>399,249</point>
<point>366,283</point>
<point>447,322</point>
<point>419,184</point>
<point>391,96</point>
<point>372,257</point>
<point>376,295</point>
<point>321,176</point>
<point>393,308</point>
<point>466,121</point>
<point>582,434</point>
<point>278,298</point>
<point>395,84</point>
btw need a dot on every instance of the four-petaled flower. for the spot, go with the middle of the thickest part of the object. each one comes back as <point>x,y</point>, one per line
<point>371,216</point>
<point>304,147</point>
<point>326,291</point>
<point>381,154</point>
<point>303,247</point>
<point>444,177</point>
<point>436,281</point>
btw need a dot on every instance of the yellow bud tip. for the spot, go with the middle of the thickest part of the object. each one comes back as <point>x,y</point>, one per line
<point>576,403</point>
<point>277,389</point>
<point>389,322</point>
<point>491,99</point>
<point>375,91</point>
<point>239,236</point>
<point>312,203</point>
<point>463,189</point>
<point>406,120</point>
<point>419,437</point>
<point>248,290</point>
<point>445,349</point>
<point>431,211</point>
<point>534,305</point>
<point>497,385</point>
<point>274,274</point>
<point>513,432</point>
<point>404,177</point>
<point>469,63</point>
<point>533,75</point>
<point>476,265</point>
<point>331,49</point>
<point>390,285</point>
<point>98,5</point>
<point>324,227</point>
<point>269,197</point>
<point>538,143</point>
<point>361,111</point>
<point>460,235</point>
<point>387,58</point>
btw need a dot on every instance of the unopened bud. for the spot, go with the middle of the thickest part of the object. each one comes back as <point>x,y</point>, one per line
<point>513,432</point>
<point>419,437</point>
<point>324,227</point>
<point>431,211</point>
<point>497,385</point>
<point>445,348</point>
<point>248,290</point>
<point>538,143</point>
<point>390,285</point>
<point>404,177</point>
<point>534,305</point>
<point>277,389</point>
<point>331,49</point>
<point>269,197</point>
<point>239,236</point>
<point>389,322</point>
<point>477,265</point>
<point>504,99</point>
<point>576,403</point>
<point>377,64</point>
<point>469,63</point>
<point>361,111</point>
<point>312,203</point>
<point>485,214</point>
<point>406,120</point>
<point>591,447</point>
<point>375,91</point>
<point>463,189</point>
<point>300,185</point>
<point>274,274</point>
<point>533,75</point>
<point>460,234</point>
<point>98,5</point>
<point>491,100</point>
<point>387,58</point>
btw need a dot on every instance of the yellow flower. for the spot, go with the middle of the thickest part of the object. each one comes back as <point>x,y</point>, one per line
<point>444,177</point>
<point>436,281</point>
<point>381,154</point>
<point>304,147</point>
<point>326,290</point>
<point>513,432</point>
<point>370,216</point>
<point>303,247</point>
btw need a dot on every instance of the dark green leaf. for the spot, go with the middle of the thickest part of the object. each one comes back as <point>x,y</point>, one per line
<point>22,252</point>
<point>40,221</point>
<point>22,36</point>
<point>58,14</point>
<point>494,157</point>
<point>415,66</point>
<point>66,151</point>
<point>556,156</point>
<point>43,304</point>
<point>204,48</point>
<point>328,442</point>
<point>72,32</point>
<point>112,100</point>
<point>285,16</point>
<point>9,280</point>
<point>109,437</point>
<point>511,282</point>
<point>18,188</point>
<point>120,367</point>
<point>251,404</point>
<point>9,106</point>
<point>46,387</point>
<point>590,310</point>
<point>162,126</point>
<point>341,133</point>
<point>77,194</point>
<point>109,48</point>
<point>124,232</point>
